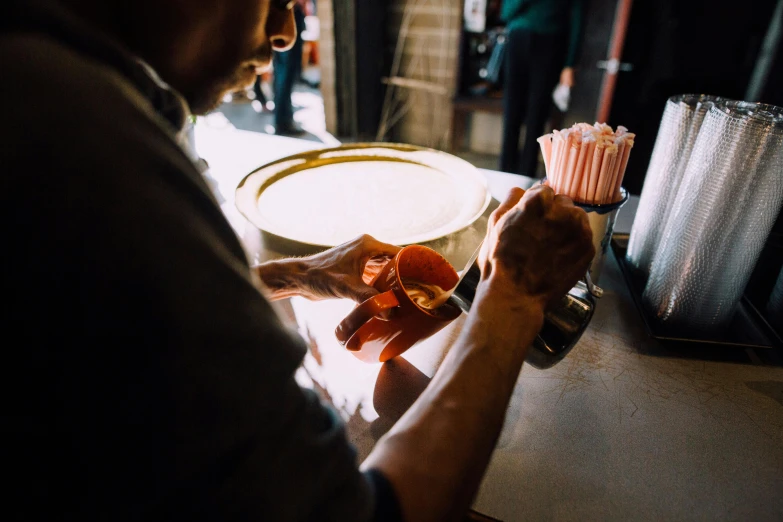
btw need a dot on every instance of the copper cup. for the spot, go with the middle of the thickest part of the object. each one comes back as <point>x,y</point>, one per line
<point>390,323</point>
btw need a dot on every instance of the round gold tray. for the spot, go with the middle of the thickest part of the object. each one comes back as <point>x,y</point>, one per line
<point>400,194</point>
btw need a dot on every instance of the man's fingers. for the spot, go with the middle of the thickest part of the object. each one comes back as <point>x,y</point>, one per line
<point>512,199</point>
<point>538,187</point>
<point>373,266</point>
<point>360,292</point>
<point>537,199</point>
<point>373,263</point>
<point>514,195</point>
<point>374,254</point>
<point>565,201</point>
<point>580,216</point>
<point>373,247</point>
<point>376,261</point>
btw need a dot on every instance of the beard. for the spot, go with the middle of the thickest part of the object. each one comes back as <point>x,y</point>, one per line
<point>209,96</point>
<point>206,93</point>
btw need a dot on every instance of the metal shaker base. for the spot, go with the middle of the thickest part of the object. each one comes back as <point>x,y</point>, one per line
<point>748,328</point>
<point>563,325</point>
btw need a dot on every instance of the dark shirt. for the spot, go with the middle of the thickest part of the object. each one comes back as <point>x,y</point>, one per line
<point>145,376</point>
<point>547,17</point>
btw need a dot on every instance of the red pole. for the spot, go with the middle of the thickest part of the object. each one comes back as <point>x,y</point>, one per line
<point>619,30</point>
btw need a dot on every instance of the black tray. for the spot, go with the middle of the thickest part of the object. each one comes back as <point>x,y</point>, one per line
<point>748,328</point>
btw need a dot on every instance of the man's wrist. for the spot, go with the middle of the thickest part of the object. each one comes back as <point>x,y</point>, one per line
<point>497,296</point>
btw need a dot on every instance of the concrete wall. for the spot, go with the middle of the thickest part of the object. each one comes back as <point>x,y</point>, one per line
<point>428,120</point>
<point>327,63</point>
<point>430,53</point>
<point>485,132</point>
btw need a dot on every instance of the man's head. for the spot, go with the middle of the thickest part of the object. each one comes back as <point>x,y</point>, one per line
<point>202,48</point>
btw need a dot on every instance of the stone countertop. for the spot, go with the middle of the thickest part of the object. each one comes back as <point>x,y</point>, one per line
<point>624,428</point>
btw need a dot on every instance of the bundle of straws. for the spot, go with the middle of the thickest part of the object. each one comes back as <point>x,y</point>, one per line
<point>587,162</point>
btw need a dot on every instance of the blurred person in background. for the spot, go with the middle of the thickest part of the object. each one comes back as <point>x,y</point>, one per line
<point>259,92</point>
<point>543,38</point>
<point>287,71</point>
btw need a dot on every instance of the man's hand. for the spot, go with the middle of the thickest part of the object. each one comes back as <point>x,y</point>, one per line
<point>340,272</point>
<point>537,246</point>
<point>567,77</point>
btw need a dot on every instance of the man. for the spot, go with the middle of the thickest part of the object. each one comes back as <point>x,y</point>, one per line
<point>149,377</point>
<point>542,43</point>
<point>287,71</point>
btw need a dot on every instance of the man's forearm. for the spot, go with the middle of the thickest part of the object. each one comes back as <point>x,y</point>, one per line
<point>436,454</point>
<point>281,277</point>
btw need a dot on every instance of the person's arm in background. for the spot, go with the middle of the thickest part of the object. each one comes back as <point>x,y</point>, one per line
<point>575,25</point>
<point>537,247</point>
<point>510,9</point>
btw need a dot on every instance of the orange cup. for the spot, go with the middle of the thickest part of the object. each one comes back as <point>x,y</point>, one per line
<point>389,323</point>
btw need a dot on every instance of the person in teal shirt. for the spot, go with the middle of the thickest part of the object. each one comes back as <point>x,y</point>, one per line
<point>541,48</point>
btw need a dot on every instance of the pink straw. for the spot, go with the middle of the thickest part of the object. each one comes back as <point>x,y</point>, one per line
<point>613,166</point>
<point>603,128</point>
<point>628,138</point>
<point>546,150</point>
<point>615,173</point>
<point>574,144</point>
<point>587,162</point>
<point>562,159</point>
<point>557,145</point>
<point>590,146</point>
<point>603,177</point>
<point>585,128</point>
<point>573,191</point>
<point>595,170</point>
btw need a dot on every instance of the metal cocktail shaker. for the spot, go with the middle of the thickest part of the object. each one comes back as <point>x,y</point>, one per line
<point>563,325</point>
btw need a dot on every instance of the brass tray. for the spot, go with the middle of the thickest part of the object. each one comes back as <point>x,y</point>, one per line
<point>401,194</point>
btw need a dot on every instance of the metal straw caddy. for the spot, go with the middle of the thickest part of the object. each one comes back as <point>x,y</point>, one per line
<point>563,324</point>
<point>602,219</point>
